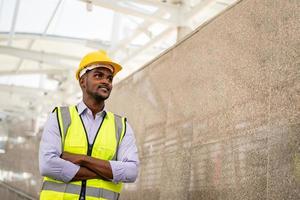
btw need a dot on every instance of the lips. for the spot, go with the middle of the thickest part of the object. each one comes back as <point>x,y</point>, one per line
<point>104,88</point>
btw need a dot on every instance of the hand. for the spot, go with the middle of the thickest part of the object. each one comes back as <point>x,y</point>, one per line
<point>74,158</point>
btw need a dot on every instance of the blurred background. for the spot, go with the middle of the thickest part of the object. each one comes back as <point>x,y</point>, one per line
<point>211,88</point>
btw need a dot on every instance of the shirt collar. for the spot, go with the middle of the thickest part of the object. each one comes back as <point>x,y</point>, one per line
<point>82,108</point>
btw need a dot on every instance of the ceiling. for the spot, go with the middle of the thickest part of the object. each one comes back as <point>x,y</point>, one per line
<point>41,43</point>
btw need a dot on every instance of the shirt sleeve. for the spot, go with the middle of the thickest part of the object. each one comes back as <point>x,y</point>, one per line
<point>50,163</point>
<point>125,169</point>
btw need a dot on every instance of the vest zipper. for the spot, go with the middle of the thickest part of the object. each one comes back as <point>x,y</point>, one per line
<point>83,183</point>
<point>89,152</point>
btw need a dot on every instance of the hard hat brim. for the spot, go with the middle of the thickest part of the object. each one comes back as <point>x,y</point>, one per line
<point>115,66</point>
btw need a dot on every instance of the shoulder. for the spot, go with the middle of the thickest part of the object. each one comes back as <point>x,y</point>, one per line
<point>115,115</point>
<point>121,117</point>
<point>55,109</point>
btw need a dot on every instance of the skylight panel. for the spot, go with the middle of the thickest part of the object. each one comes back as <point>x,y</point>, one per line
<point>75,20</point>
<point>34,15</point>
<point>6,14</point>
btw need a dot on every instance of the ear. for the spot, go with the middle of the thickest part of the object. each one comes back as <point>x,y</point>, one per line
<point>82,82</point>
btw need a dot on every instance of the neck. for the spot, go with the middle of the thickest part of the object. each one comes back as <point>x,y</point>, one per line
<point>93,105</point>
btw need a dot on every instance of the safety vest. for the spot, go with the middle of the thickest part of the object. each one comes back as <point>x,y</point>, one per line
<point>74,140</point>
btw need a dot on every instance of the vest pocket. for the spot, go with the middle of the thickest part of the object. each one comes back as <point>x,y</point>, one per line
<point>77,143</point>
<point>75,146</point>
<point>103,152</point>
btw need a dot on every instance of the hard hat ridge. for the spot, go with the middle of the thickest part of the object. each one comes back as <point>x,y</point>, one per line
<point>100,57</point>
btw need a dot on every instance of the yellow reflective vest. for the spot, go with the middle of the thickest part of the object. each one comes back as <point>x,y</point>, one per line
<point>74,140</point>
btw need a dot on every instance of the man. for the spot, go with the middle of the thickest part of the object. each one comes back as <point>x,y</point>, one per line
<point>87,152</point>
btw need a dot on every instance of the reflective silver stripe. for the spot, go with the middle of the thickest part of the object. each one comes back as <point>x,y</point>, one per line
<point>118,128</point>
<point>75,189</point>
<point>99,192</point>
<point>61,187</point>
<point>66,119</point>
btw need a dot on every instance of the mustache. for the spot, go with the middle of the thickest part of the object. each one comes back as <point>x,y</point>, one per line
<point>104,86</point>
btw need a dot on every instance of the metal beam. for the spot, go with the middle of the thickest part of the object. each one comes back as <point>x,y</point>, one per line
<point>123,43</point>
<point>115,30</point>
<point>225,2</point>
<point>95,44</point>
<point>156,39</point>
<point>22,96</point>
<point>54,59</point>
<point>13,24</point>
<point>116,6</point>
<point>171,8</point>
<point>22,90</point>
<point>39,71</point>
<point>35,36</point>
<point>19,111</point>
<point>126,41</point>
<point>188,14</point>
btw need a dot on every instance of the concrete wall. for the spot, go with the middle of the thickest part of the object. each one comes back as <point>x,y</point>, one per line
<point>218,116</point>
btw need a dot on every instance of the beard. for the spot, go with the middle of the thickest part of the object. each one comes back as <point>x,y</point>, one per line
<point>95,94</point>
<point>98,97</point>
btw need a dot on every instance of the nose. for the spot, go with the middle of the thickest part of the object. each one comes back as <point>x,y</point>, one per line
<point>105,81</point>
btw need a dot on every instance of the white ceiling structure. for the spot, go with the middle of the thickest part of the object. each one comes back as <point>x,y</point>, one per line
<point>42,41</point>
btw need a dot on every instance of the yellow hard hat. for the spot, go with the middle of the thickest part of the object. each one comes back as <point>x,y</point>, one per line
<point>97,57</point>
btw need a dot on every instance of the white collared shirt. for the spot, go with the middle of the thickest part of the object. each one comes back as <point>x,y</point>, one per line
<point>125,169</point>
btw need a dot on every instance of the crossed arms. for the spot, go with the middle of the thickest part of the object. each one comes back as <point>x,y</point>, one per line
<point>66,167</point>
<point>90,168</point>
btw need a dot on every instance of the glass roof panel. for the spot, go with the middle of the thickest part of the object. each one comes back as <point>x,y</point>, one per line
<point>6,14</point>
<point>33,15</point>
<point>74,20</point>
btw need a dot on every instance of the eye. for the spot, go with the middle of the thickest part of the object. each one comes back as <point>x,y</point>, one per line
<point>110,78</point>
<point>98,75</point>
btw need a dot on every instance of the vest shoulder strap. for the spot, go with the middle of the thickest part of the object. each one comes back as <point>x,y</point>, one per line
<point>64,121</point>
<point>120,127</point>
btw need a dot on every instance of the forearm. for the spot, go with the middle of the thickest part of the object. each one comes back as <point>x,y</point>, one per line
<point>101,167</point>
<point>84,174</point>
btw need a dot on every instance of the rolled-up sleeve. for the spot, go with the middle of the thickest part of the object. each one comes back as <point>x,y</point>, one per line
<point>50,163</point>
<point>125,169</point>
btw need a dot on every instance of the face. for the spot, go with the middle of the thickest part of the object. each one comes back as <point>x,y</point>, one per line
<point>97,83</point>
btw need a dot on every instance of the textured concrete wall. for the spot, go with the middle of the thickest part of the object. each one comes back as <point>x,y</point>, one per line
<point>218,116</point>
